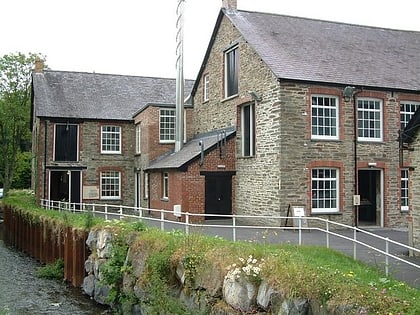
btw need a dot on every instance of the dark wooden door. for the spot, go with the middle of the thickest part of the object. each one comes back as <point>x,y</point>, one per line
<point>218,195</point>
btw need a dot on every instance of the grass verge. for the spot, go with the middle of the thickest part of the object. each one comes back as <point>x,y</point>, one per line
<point>315,273</point>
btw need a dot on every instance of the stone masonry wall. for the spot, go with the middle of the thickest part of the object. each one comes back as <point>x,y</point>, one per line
<point>280,172</point>
<point>91,160</point>
<point>415,192</point>
<point>96,162</point>
<point>214,290</point>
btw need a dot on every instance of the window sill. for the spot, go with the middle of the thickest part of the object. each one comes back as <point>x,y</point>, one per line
<point>167,142</point>
<point>325,140</point>
<point>228,98</point>
<point>164,199</point>
<point>326,213</point>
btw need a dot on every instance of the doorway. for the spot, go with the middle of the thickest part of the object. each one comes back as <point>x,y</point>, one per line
<point>65,186</point>
<point>218,192</point>
<point>371,197</point>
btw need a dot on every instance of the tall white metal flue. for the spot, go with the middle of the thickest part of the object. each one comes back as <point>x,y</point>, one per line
<point>179,111</point>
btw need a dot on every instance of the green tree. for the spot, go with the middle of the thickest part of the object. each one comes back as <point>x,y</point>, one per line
<point>15,109</point>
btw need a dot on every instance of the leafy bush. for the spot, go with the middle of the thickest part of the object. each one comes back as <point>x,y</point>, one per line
<point>53,271</point>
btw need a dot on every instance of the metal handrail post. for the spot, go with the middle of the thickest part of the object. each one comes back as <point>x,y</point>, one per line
<point>328,234</point>
<point>300,231</point>
<point>354,244</point>
<point>187,223</point>
<point>387,256</point>
<point>234,228</point>
<point>162,221</point>
<point>106,212</point>
<point>121,213</point>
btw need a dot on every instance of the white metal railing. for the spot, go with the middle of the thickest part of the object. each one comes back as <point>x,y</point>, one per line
<point>159,217</point>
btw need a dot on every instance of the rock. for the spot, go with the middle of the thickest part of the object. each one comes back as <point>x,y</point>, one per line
<point>180,272</point>
<point>210,279</point>
<point>294,307</point>
<point>265,294</point>
<point>92,239</point>
<point>101,292</point>
<point>89,265</point>
<point>240,293</point>
<point>88,285</point>
<point>103,244</point>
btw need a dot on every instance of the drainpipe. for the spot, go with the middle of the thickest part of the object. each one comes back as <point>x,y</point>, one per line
<point>349,92</point>
<point>356,175</point>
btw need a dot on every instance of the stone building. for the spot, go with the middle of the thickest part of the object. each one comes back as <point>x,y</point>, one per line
<point>285,111</point>
<point>84,133</point>
<point>317,107</point>
<point>410,160</point>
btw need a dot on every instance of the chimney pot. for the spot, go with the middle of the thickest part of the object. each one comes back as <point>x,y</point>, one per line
<point>229,4</point>
<point>39,66</point>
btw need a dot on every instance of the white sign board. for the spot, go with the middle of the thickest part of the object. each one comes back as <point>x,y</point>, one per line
<point>299,212</point>
<point>177,210</point>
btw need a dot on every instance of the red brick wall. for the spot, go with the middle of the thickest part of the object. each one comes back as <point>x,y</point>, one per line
<point>188,188</point>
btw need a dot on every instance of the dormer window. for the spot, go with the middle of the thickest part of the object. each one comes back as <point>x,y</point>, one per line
<point>231,71</point>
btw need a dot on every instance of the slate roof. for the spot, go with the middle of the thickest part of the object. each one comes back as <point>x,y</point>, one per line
<point>81,95</point>
<point>190,150</point>
<point>329,52</point>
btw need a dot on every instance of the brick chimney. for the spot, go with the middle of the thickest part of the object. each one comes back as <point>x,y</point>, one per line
<point>39,66</point>
<point>230,4</point>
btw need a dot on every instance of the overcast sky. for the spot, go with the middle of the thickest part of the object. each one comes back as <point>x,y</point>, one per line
<point>137,37</point>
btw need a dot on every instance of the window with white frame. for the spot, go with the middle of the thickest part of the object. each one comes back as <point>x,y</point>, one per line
<point>324,117</point>
<point>231,71</point>
<point>404,190</point>
<point>110,185</point>
<point>138,138</point>
<point>247,130</point>
<point>369,119</point>
<point>407,110</point>
<point>325,186</point>
<point>167,126</point>
<point>111,139</point>
<point>165,185</point>
<point>205,87</point>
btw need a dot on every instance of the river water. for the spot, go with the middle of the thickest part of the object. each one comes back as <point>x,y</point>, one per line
<point>22,293</point>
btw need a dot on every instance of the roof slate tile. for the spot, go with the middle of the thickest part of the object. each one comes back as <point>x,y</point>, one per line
<point>82,95</point>
<point>331,52</point>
